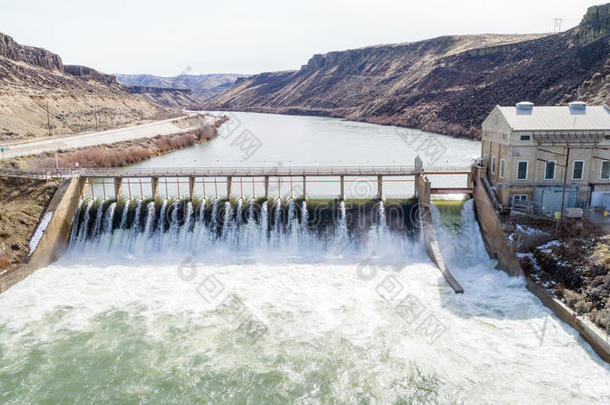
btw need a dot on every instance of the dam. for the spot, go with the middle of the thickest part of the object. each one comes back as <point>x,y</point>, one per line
<point>231,297</point>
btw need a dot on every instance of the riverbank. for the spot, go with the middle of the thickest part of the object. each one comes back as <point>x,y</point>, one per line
<point>22,206</point>
<point>574,268</point>
<point>170,126</point>
<point>118,154</point>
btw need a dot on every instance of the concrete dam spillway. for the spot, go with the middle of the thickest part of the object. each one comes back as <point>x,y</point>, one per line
<point>199,225</point>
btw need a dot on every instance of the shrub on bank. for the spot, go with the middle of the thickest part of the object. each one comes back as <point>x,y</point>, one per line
<point>5,261</point>
<point>601,318</point>
<point>581,268</point>
<point>126,153</point>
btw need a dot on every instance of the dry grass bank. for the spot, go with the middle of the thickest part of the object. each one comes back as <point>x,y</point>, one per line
<point>22,204</point>
<point>118,154</point>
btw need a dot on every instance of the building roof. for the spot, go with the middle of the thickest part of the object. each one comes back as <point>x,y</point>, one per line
<point>577,116</point>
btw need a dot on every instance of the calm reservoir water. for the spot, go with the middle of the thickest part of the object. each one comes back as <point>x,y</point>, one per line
<point>216,307</point>
<point>252,139</point>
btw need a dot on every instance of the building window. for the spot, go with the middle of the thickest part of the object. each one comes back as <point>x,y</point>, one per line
<point>578,171</point>
<point>502,167</point>
<point>549,170</point>
<point>525,137</point>
<point>522,170</point>
<point>493,165</point>
<point>504,136</point>
<point>605,172</point>
<point>519,198</point>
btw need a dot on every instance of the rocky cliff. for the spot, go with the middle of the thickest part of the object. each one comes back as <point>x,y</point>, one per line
<point>78,98</point>
<point>10,49</point>
<point>447,84</point>
<point>87,73</point>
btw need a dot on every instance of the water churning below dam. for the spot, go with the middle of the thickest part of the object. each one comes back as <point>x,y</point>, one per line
<point>175,301</point>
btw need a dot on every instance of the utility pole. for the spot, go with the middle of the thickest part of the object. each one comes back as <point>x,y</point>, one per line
<point>48,119</point>
<point>563,191</point>
<point>56,163</point>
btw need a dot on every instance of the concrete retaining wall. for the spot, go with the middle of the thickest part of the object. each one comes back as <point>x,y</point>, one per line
<point>496,242</point>
<point>56,236</point>
<point>587,330</point>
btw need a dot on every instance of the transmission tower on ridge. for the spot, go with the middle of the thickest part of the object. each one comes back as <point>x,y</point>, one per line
<point>557,24</point>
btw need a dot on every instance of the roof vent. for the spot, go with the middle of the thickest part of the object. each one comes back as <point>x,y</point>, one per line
<point>525,107</point>
<point>577,105</point>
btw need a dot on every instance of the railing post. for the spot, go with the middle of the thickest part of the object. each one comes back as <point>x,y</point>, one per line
<point>304,187</point>
<point>380,187</point>
<point>154,184</point>
<point>266,187</point>
<point>191,187</point>
<point>229,186</point>
<point>342,193</point>
<point>118,187</point>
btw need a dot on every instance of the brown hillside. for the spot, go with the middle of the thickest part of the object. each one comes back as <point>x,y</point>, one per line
<point>30,77</point>
<point>446,84</point>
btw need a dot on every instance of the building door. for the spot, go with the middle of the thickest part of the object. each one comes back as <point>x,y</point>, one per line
<point>606,201</point>
<point>600,199</point>
<point>549,198</point>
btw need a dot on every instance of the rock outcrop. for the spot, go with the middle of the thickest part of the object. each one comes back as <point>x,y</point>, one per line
<point>447,84</point>
<point>87,73</point>
<point>40,95</point>
<point>39,57</point>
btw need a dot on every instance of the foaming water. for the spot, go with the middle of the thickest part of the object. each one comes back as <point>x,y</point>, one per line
<point>173,326</point>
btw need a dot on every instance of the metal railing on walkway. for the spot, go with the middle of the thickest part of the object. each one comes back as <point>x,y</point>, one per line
<point>40,174</point>
<point>491,193</point>
<point>236,171</point>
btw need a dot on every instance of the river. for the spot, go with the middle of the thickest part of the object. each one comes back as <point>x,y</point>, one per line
<point>252,139</point>
<point>232,310</point>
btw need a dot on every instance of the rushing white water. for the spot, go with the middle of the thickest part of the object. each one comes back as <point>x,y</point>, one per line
<point>124,215</point>
<point>221,322</point>
<point>97,227</point>
<point>150,219</point>
<point>82,231</point>
<point>109,218</point>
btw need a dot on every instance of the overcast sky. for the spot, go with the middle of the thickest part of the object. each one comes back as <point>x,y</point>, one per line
<point>170,37</point>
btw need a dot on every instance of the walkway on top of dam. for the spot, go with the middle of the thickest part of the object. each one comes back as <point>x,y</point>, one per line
<point>216,171</point>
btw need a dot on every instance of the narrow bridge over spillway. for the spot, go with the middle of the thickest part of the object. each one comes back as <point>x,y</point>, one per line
<point>229,178</point>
